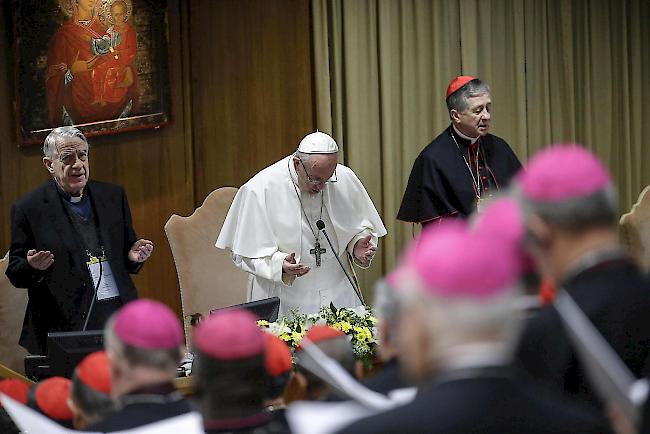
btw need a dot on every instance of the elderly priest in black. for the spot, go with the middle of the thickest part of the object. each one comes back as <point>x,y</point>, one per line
<point>463,165</point>
<point>57,231</point>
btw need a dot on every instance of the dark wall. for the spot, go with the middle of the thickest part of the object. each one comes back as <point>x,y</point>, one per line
<point>241,99</point>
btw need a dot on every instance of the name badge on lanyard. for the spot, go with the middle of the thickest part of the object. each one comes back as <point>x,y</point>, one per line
<point>102,275</point>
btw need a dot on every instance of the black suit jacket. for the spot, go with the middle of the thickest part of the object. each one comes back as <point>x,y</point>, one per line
<point>60,296</point>
<point>143,406</point>
<point>500,404</point>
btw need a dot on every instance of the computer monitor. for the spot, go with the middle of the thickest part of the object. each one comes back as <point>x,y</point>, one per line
<point>266,309</point>
<point>66,349</point>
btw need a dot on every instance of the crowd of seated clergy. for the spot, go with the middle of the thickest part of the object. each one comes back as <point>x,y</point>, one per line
<point>450,327</point>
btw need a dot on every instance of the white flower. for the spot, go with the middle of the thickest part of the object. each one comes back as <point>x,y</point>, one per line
<point>360,310</point>
<point>278,328</point>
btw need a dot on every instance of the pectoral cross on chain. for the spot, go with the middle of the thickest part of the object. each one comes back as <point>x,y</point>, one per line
<point>317,251</point>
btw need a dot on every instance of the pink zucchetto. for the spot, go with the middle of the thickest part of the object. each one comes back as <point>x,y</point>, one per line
<point>563,172</point>
<point>229,335</point>
<point>450,261</point>
<point>149,325</point>
<point>501,218</point>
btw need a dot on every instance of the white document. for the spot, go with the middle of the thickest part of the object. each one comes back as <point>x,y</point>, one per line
<point>31,422</point>
<point>107,286</point>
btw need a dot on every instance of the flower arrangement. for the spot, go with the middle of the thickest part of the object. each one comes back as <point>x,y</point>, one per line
<point>358,323</point>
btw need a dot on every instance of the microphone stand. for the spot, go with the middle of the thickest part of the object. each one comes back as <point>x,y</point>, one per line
<point>92,302</point>
<point>321,227</point>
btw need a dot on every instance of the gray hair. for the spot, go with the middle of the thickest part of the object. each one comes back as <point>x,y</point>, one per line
<point>59,134</point>
<point>94,404</point>
<point>303,156</point>
<point>453,323</point>
<point>163,359</point>
<point>596,210</point>
<point>387,307</point>
<point>458,100</point>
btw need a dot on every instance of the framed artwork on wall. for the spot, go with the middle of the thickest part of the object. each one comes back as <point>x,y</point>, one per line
<point>101,65</point>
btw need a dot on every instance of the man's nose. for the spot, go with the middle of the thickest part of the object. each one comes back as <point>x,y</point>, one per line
<point>486,115</point>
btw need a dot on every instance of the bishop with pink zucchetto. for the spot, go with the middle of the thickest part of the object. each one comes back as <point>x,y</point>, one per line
<point>569,203</point>
<point>459,285</point>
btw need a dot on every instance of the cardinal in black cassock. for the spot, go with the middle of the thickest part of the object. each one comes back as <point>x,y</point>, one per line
<point>464,164</point>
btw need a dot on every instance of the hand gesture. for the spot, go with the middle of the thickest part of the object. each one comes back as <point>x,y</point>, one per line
<point>364,250</point>
<point>40,260</point>
<point>140,250</point>
<point>289,266</point>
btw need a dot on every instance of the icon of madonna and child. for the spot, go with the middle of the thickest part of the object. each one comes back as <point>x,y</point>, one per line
<point>90,73</point>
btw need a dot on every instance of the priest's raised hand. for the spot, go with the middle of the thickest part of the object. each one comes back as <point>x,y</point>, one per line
<point>140,250</point>
<point>364,251</point>
<point>289,266</point>
<point>40,260</point>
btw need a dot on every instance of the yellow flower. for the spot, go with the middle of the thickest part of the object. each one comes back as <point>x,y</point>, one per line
<point>372,320</point>
<point>345,326</point>
<point>362,334</point>
<point>296,337</point>
<point>262,323</point>
<point>285,337</point>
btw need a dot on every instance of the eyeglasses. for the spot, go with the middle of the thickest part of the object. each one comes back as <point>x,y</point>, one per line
<point>69,158</point>
<point>312,181</point>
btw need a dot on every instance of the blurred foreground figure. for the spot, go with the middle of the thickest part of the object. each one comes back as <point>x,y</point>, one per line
<point>386,306</point>
<point>90,391</point>
<point>570,210</point>
<point>50,398</point>
<point>144,342</point>
<point>457,332</point>
<point>16,390</point>
<point>336,345</point>
<point>232,381</point>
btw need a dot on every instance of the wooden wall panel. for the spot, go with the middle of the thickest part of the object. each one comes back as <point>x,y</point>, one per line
<point>247,103</point>
<point>149,164</point>
<point>251,93</point>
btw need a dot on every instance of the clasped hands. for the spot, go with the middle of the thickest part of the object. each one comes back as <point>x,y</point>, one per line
<point>42,260</point>
<point>364,250</point>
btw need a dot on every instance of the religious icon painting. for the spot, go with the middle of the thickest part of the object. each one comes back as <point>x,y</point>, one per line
<point>101,65</point>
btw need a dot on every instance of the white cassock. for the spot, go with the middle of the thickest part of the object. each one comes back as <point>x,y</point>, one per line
<point>266,223</point>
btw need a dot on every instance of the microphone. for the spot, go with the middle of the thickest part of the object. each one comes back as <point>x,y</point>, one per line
<point>321,227</point>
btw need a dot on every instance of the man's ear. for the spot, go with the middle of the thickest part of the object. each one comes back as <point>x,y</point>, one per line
<point>47,162</point>
<point>454,115</point>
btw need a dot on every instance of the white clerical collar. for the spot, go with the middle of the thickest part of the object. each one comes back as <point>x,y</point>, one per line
<point>476,355</point>
<point>472,140</point>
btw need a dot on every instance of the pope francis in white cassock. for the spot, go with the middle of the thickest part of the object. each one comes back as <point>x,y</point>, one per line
<point>272,233</point>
